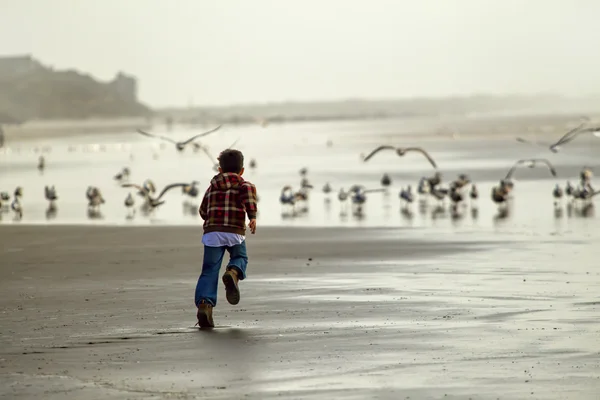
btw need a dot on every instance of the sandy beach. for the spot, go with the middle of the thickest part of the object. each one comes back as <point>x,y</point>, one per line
<point>107,312</point>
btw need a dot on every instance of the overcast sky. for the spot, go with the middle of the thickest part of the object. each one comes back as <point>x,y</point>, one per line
<point>238,51</point>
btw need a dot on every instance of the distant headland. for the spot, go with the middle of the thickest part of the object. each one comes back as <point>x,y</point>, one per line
<point>30,90</point>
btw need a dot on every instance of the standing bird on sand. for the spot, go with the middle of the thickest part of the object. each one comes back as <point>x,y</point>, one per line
<point>17,208</point>
<point>287,198</point>
<point>406,196</point>
<point>557,193</point>
<point>386,180</point>
<point>500,193</point>
<point>129,203</point>
<point>327,188</point>
<point>123,175</point>
<point>95,199</point>
<point>474,193</point>
<point>401,151</point>
<point>359,196</point>
<point>50,194</point>
<point>343,198</point>
<point>41,163</point>
<point>180,146</point>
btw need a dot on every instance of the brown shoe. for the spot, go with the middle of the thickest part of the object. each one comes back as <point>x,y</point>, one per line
<point>205,319</point>
<point>232,291</point>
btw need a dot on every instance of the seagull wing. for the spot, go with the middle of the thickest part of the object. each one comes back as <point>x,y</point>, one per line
<point>205,150</point>
<point>201,135</point>
<point>545,161</point>
<point>570,135</point>
<point>512,169</point>
<point>377,150</point>
<point>169,187</point>
<point>138,187</point>
<point>420,150</point>
<point>234,143</point>
<point>156,136</point>
<point>374,190</point>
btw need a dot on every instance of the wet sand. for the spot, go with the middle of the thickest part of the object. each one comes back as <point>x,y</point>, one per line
<point>107,312</point>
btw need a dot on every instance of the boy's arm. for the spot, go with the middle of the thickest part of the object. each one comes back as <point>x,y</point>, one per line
<point>204,207</point>
<point>248,197</point>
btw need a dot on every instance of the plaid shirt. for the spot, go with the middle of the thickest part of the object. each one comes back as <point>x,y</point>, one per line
<point>226,202</point>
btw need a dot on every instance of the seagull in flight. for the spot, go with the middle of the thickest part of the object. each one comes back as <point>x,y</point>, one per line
<point>401,151</point>
<point>152,201</point>
<point>566,138</point>
<point>180,145</point>
<point>216,160</point>
<point>532,163</point>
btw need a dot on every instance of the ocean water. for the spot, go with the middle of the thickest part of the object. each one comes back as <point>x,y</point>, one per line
<point>330,151</point>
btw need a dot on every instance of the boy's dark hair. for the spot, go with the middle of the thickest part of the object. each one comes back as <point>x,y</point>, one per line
<point>231,160</point>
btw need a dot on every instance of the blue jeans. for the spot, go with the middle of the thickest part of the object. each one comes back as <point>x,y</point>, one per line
<point>208,283</point>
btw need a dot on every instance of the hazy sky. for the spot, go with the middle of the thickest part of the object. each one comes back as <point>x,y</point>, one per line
<point>238,51</point>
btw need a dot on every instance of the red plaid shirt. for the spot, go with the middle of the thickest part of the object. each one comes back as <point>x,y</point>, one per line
<point>226,202</point>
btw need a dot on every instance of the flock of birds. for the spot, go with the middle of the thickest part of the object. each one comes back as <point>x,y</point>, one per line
<point>295,202</point>
<point>458,192</point>
<point>146,190</point>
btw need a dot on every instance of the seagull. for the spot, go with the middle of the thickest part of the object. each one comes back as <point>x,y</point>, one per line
<point>94,197</point>
<point>567,137</point>
<point>327,188</point>
<point>406,195</point>
<point>123,175</point>
<point>17,208</point>
<point>252,163</point>
<point>386,180</point>
<point>569,189</point>
<point>532,164</point>
<point>41,163</point>
<point>50,193</point>
<point>154,202</point>
<point>401,151</point>
<point>216,160</point>
<point>500,193</point>
<point>359,196</point>
<point>129,201</point>
<point>147,188</point>
<point>474,194</point>
<point>180,145</point>
<point>557,193</point>
<point>191,189</point>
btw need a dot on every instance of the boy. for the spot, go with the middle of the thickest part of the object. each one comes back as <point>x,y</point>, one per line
<point>224,207</point>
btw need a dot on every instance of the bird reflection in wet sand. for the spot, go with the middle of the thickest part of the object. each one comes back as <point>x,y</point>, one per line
<point>190,209</point>
<point>93,213</point>
<point>51,211</point>
<point>129,203</point>
<point>502,214</point>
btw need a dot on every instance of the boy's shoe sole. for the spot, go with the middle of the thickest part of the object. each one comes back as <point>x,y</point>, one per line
<point>204,316</point>
<point>232,291</point>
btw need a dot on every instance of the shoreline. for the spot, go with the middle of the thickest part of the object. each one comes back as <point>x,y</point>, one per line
<point>325,314</point>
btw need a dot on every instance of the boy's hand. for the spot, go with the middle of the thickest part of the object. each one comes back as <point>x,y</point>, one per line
<point>252,226</point>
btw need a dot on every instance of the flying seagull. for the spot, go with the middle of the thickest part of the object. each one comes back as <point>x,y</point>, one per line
<point>402,151</point>
<point>216,160</point>
<point>567,137</point>
<point>533,162</point>
<point>179,145</point>
<point>155,202</point>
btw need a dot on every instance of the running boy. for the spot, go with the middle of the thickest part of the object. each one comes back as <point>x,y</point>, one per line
<point>224,207</point>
